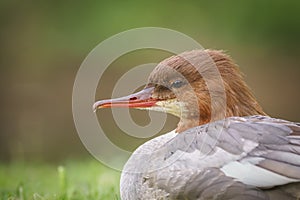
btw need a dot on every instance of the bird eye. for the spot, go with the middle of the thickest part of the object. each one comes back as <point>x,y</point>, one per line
<point>177,84</point>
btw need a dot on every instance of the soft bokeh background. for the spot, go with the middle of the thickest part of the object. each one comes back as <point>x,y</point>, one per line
<point>44,42</point>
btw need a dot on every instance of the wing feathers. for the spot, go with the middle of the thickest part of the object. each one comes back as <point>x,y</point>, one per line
<point>284,169</point>
<point>257,151</point>
<point>281,156</point>
<point>286,148</point>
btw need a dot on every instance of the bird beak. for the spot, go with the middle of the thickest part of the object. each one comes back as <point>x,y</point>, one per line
<point>141,99</point>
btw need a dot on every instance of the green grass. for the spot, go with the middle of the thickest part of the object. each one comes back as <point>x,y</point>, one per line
<point>73,180</point>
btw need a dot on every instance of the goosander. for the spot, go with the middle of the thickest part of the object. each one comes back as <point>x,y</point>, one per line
<point>240,154</point>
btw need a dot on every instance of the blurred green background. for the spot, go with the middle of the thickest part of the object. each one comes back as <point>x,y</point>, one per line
<point>44,42</point>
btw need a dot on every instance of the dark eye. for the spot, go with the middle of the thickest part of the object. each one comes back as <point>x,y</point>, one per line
<point>177,84</point>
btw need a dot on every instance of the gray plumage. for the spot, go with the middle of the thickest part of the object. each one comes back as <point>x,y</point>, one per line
<point>200,162</point>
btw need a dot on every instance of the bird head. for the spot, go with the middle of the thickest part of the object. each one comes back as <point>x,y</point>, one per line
<point>198,86</point>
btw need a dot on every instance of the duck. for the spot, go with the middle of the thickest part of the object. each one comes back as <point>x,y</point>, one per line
<point>224,146</point>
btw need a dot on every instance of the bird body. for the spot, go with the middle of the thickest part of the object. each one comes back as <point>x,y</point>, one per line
<point>249,154</point>
<point>240,154</point>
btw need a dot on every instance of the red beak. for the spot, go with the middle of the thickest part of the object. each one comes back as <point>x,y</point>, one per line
<point>141,99</point>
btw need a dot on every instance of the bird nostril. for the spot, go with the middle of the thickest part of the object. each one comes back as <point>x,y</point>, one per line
<point>132,98</point>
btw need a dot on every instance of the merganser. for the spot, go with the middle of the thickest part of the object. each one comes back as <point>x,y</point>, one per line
<point>244,154</point>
